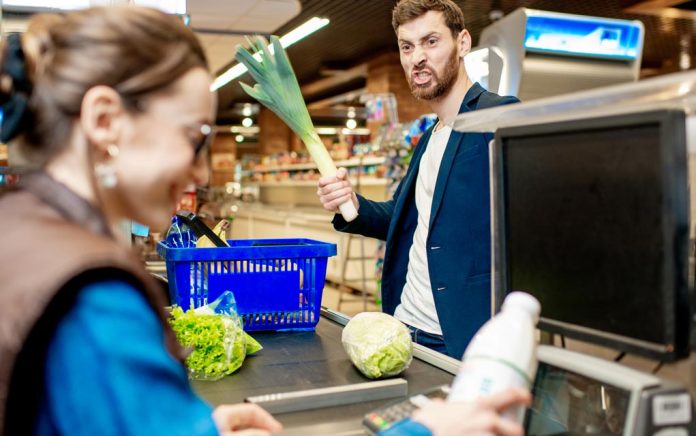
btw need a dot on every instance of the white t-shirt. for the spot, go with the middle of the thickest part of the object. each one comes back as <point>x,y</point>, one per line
<point>417,306</point>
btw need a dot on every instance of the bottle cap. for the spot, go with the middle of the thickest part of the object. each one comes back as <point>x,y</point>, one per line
<point>523,301</point>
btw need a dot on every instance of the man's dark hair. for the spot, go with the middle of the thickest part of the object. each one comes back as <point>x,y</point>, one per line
<point>407,10</point>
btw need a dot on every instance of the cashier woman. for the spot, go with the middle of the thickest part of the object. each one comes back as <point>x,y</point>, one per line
<point>113,105</point>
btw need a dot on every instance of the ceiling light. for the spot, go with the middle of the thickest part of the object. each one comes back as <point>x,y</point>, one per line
<point>47,4</point>
<point>239,138</point>
<point>325,130</point>
<point>246,111</point>
<point>246,131</point>
<point>247,122</point>
<point>351,123</point>
<point>168,6</point>
<point>359,131</point>
<point>302,31</point>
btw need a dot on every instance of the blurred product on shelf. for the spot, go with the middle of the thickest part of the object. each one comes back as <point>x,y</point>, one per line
<point>381,107</point>
<point>417,128</point>
<point>8,178</point>
<point>188,200</point>
<point>222,161</point>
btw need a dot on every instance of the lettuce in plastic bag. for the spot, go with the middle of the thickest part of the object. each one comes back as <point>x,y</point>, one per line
<point>215,334</point>
<point>252,345</point>
<point>378,344</point>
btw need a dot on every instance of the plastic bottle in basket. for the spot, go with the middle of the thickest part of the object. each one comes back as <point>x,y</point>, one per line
<point>502,354</point>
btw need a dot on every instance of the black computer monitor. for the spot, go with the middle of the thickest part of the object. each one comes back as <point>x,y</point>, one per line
<point>591,217</point>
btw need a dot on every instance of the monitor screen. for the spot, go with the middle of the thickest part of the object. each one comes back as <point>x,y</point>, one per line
<point>567,403</point>
<point>592,219</point>
<point>549,32</point>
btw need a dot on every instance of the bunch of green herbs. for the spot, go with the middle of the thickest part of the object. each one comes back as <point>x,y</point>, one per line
<point>277,89</point>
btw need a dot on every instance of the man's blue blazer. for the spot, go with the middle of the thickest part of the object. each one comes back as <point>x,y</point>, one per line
<point>459,239</point>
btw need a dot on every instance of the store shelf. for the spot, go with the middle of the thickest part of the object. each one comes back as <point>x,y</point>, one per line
<point>354,162</point>
<point>295,183</point>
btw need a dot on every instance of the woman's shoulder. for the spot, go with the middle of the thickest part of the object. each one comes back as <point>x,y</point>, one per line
<point>112,302</point>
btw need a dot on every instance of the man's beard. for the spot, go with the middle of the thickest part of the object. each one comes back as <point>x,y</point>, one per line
<point>442,85</point>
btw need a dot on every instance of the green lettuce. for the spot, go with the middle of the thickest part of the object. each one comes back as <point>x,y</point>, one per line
<point>219,344</point>
<point>379,345</point>
<point>252,345</point>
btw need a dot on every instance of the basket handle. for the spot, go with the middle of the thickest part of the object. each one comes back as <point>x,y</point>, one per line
<point>200,228</point>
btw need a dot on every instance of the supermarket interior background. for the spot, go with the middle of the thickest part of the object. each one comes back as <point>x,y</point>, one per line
<point>638,53</point>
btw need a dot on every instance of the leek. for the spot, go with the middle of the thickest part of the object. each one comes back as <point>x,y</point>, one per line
<point>277,88</point>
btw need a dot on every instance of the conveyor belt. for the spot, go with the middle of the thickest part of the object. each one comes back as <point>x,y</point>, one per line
<point>293,361</point>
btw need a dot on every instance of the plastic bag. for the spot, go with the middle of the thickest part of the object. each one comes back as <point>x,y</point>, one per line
<point>180,235</point>
<point>378,344</point>
<point>215,333</point>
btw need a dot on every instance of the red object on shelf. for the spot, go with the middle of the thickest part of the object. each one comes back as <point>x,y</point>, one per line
<point>187,202</point>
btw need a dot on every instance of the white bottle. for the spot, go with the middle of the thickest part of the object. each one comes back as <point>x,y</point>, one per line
<point>502,354</point>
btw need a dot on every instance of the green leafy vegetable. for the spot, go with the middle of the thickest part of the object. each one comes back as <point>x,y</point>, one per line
<point>277,89</point>
<point>252,345</point>
<point>219,345</point>
<point>379,345</point>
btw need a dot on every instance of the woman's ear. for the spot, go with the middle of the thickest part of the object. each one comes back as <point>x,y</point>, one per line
<point>101,117</point>
<point>464,43</point>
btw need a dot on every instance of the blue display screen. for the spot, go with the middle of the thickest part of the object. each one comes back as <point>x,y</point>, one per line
<point>586,36</point>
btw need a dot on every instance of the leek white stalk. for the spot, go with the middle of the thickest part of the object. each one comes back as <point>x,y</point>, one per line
<point>277,89</point>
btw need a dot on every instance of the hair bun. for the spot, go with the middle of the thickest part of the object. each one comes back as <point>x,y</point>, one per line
<point>16,89</point>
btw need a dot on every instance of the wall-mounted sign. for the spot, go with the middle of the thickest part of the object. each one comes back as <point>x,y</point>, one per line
<point>583,36</point>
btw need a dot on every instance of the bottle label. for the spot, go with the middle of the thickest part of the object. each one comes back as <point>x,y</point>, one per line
<point>484,376</point>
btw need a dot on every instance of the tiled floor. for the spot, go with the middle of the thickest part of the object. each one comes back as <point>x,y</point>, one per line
<point>352,304</point>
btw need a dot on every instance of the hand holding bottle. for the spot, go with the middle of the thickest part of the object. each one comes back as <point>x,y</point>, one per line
<point>502,354</point>
<point>480,416</point>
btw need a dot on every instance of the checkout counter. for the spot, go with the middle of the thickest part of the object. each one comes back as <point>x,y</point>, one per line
<point>298,361</point>
<point>574,394</point>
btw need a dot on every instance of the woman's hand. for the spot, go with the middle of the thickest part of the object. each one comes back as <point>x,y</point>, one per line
<point>244,419</point>
<point>480,417</point>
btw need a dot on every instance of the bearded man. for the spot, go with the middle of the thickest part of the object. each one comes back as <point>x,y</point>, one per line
<point>437,265</point>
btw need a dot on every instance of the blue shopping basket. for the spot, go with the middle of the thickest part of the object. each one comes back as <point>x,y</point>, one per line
<point>277,283</point>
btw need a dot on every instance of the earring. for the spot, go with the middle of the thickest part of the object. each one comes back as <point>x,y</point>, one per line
<point>105,172</point>
<point>112,150</point>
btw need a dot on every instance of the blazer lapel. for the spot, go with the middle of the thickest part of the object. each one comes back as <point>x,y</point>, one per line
<point>453,144</point>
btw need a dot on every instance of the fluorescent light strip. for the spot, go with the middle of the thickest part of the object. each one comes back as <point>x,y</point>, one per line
<point>168,6</point>
<point>47,4</point>
<point>302,31</point>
